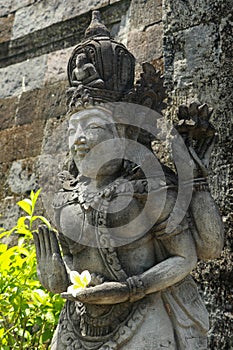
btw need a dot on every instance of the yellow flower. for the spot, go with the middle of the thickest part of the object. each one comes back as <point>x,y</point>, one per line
<point>79,281</point>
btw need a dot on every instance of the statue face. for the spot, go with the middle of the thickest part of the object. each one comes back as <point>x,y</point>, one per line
<point>88,129</point>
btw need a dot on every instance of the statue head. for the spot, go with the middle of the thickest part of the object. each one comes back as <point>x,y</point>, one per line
<point>114,66</point>
<point>97,140</point>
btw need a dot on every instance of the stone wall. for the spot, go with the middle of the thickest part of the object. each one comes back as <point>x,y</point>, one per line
<point>36,39</point>
<point>198,65</point>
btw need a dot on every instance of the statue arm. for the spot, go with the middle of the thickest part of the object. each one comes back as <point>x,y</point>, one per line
<point>208,230</point>
<point>181,260</point>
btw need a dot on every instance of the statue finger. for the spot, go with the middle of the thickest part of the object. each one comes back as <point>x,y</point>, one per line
<point>47,240</point>
<point>68,296</point>
<point>37,245</point>
<point>58,262</point>
<point>41,230</point>
<point>54,243</point>
<point>209,147</point>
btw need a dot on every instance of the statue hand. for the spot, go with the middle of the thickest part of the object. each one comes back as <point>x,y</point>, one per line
<point>201,155</point>
<point>198,134</point>
<point>51,269</point>
<point>105,293</point>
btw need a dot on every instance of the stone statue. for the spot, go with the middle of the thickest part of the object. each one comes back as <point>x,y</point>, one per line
<point>85,73</point>
<point>141,294</point>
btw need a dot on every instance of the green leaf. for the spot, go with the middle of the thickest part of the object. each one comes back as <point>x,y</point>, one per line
<point>3,248</point>
<point>5,233</point>
<point>43,219</point>
<point>49,316</point>
<point>26,205</point>
<point>32,194</point>
<point>34,197</point>
<point>1,332</point>
<point>21,221</point>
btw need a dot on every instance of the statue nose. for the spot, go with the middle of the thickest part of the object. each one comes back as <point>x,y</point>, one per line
<point>80,140</point>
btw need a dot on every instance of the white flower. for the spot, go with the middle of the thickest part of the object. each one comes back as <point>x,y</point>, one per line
<point>79,281</point>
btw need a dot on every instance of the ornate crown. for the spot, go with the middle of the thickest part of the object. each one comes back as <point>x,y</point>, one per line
<point>103,70</point>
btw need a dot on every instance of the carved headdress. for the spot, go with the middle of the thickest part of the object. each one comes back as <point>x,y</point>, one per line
<point>102,70</point>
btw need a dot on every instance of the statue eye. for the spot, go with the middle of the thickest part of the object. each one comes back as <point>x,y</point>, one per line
<point>71,132</point>
<point>96,126</point>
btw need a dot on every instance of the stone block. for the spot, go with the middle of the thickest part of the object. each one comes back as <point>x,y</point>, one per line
<point>52,100</point>
<point>21,178</point>
<point>17,4</point>
<point>24,76</point>
<point>181,15</point>
<point>10,212</point>
<point>6,24</point>
<point>47,168</point>
<point>5,7</point>
<point>6,145</point>
<point>146,45</point>
<point>4,171</point>
<point>145,13</point>
<point>41,104</point>
<point>43,14</point>
<point>190,57</point>
<point>55,139</point>
<point>57,65</point>
<point>27,108</point>
<point>113,1</point>
<point>21,142</point>
<point>10,6</point>
<point>8,109</point>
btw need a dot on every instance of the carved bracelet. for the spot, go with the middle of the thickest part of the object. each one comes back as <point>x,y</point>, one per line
<point>136,288</point>
<point>198,184</point>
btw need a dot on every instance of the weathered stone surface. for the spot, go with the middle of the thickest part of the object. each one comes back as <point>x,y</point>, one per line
<point>9,6</point>
<point>57,65</point>
<point>4,189</point>
<point>67,34</point>
<point>150,11</point>
<point>5,7</point>
<point>190,52</point>
<point>33,105</point>
<point>146,45</point>
<point>10,212</point>
<point>52,100</point>
<point>27,107</point>
<point>179,15</point>
<point>41,14</point>
<point>23,76</point>
<point>21,179</point>
<point>198,64</point>
<point>18,4</point>
<point>47,168</point>
<point>55,137</point>
<point>113,1</point>
<point>8,109</point>
<point>145,38</point>
<point>21,142</point>
<point>6,27</point>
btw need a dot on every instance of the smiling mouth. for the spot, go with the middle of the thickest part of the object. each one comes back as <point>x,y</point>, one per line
<point>81,150</point>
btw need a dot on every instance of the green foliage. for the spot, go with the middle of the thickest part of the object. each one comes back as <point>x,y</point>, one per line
<point>28,313</point>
